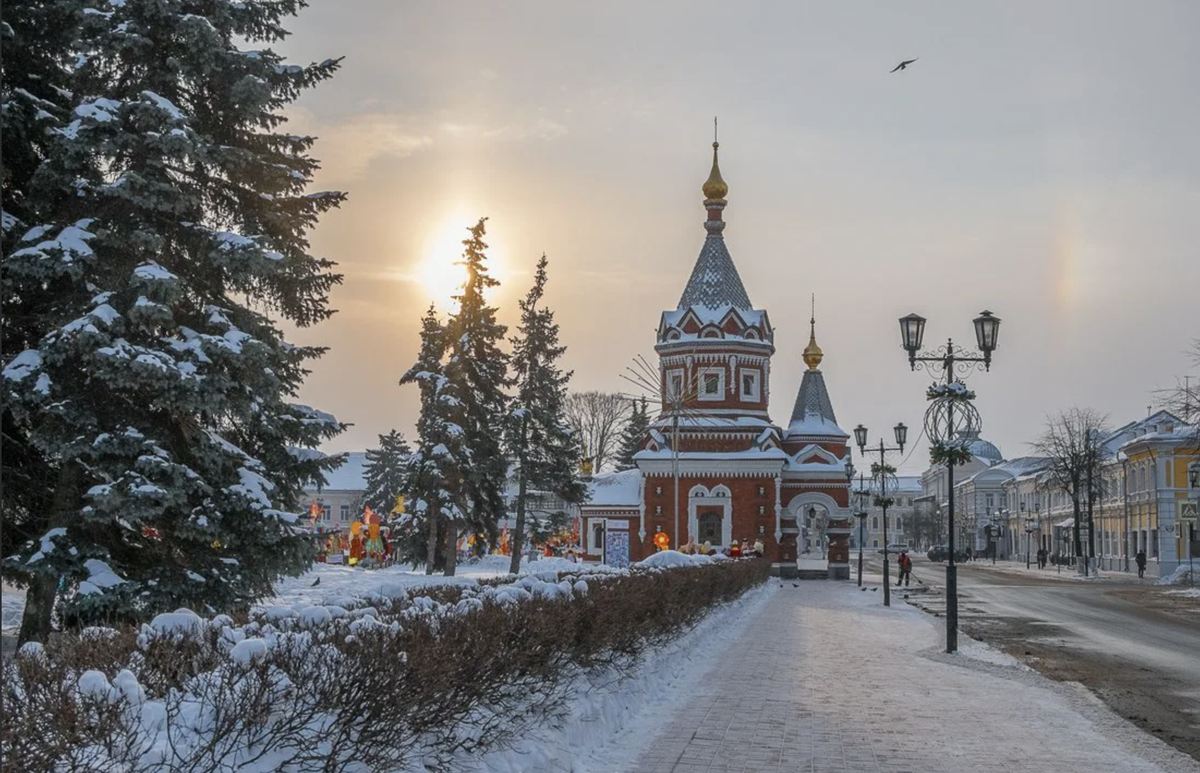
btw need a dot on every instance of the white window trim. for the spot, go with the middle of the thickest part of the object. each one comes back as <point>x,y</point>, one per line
<point>702,376</point>
<point>755,395</point>
<point>671,376</point>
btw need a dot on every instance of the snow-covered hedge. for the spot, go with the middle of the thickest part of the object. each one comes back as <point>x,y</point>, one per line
<point>374,685</point>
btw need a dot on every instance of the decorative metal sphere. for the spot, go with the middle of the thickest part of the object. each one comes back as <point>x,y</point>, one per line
<point>949,420</point>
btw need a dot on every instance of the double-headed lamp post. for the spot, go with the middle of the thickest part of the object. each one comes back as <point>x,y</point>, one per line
<point>860,512</point>
<point>860,437</point>
<point>951,359</point>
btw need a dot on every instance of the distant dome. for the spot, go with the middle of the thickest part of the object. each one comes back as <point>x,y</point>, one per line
<point>983,449</point>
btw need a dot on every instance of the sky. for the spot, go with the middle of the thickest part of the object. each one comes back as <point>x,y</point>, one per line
<point>1039,160</point>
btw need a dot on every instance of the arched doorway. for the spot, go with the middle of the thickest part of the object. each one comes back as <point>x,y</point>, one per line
<point>820,535</point>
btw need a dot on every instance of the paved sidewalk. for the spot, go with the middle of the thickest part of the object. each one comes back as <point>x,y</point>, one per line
<point>826,679</point>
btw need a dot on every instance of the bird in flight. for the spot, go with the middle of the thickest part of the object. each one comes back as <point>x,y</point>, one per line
<point>904,65</point>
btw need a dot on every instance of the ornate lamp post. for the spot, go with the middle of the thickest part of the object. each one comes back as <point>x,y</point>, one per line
<point>860,512</point>
<point>884,472</point>
<point>1029,529</point>
<point>949,414</point>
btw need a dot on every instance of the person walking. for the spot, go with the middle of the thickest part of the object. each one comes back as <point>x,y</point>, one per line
<point>1140,558</point>
<point>905,565</point>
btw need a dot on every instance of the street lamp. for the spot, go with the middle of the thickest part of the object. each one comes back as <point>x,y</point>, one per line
<point>860,437</point>
<point>812,523</point>
<point>1194,475</point>
<point>953,361</point>
<point>1029,527</point>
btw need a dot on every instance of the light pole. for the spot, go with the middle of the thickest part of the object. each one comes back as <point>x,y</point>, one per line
<point>941,414</point>
<point>883,470</point>
<point>861,514</point>
<point>1029,527</point>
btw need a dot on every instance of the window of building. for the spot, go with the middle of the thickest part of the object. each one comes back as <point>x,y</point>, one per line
<point>658,491</point>
<point>710,528</point>
<point>675,384</point>
<point>874,543</point>
<point>345,513</point>
<point>875,523</point>
<point>750,386</point>
<point>712,384</point>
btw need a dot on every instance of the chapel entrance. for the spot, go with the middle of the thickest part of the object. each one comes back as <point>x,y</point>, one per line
<point>709,525</point>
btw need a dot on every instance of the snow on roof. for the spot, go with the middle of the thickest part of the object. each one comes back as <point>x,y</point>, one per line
<point>1023,465</point>
<point>814,424</point>
<point>351,476</point>
<point>616,488</point>
<point>713,315</point>
<point>908,483</point>
<point>751,453</point>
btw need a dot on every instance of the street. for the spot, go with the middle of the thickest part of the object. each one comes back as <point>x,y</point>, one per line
<point>1132,645</point>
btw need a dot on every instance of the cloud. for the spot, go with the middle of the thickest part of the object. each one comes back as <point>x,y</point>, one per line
<point>346,148</point>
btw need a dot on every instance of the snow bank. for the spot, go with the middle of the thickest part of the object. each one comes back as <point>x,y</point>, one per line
<point>1181,576</point>
<point>672,559</point>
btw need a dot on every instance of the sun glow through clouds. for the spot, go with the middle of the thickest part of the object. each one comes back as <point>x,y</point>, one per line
<point>440,272</point>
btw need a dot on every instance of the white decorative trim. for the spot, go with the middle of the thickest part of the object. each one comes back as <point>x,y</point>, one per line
<point>754,395</point>
<point>642,509</point>
<point>702,394</point>
<point>778,509</point>
<point>726,504</point>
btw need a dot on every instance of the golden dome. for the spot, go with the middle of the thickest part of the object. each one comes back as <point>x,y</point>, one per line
<point>714,187</point>
<point>812,353</point>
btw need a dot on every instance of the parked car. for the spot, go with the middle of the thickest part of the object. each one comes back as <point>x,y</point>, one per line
<point>896,547</point>
<point>942,553</point>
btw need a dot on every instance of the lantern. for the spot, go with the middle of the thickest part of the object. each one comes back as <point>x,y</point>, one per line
<point>987,327</point>
<point>912,331</point>
<point>901,435</point>
<point>860,437</point>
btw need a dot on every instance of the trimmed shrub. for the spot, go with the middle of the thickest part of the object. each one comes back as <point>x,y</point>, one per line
<point>448,670</point>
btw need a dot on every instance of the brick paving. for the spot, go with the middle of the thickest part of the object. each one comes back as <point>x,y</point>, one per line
<point>825,679</point>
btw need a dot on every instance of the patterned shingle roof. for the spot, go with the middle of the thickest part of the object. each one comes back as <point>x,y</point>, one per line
<point>813,399</point>
<point>715,281</point>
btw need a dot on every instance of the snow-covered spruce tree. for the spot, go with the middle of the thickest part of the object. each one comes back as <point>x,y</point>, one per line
<point>637,426</point>
<point>539,442</point>
<point>434,477</point>
<point>385,468</point>
<point>36,61</point>
<point>477,370</point>
<point>163,235</point>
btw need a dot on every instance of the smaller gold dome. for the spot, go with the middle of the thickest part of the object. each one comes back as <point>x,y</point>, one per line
<point>714,187</point>
<point>812,353</point>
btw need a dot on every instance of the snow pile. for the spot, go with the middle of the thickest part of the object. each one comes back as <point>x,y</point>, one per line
<point>1181,576</point>
<point>1189,593</point>
<point>670,559</point>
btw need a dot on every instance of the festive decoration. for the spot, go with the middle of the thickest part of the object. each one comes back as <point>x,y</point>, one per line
<point>662,540</point>
<point>943,453</point>
<point>955,390</point>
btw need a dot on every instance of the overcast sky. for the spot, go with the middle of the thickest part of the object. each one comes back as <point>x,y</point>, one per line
<point>1040,160</point>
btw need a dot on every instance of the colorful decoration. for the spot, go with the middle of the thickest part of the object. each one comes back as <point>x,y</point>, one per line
<point>662,540</point>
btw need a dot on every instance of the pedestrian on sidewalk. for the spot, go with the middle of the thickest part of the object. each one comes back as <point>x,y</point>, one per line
<point>905,564</point>
<point>1140,558</point>
<point>970,553</point>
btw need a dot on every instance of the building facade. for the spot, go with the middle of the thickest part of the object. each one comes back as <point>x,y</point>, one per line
<point>714,468</point>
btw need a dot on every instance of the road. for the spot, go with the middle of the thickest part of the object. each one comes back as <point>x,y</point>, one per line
<point>1133,646</point>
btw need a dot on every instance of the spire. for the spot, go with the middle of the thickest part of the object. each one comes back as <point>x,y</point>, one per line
<point>812,353</point>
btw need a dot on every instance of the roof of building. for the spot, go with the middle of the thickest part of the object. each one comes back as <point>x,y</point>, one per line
<point>615,488</point>
<point>715,281</point>
<point>351,476</point>
<point>813,412</point>
<point>982,449</point>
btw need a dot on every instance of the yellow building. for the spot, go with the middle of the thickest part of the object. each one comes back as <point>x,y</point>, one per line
<point>1145,488</point>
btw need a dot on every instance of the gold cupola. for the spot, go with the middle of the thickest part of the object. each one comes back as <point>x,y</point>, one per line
<point>715,188</point>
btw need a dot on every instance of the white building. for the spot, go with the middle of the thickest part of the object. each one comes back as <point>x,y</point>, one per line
<point>340,500</point>
<point>899,515</point>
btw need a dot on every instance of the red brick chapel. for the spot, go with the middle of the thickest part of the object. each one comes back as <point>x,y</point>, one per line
<point>740,476</point>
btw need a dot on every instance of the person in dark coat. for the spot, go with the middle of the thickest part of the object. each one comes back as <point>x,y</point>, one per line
<point>1140,558</point>
<point>905,565</point>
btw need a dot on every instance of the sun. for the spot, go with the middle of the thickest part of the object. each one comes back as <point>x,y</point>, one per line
<point>439,272</point>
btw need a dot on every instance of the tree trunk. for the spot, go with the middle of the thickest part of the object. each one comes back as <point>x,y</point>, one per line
<point>518,536</point>
<point>43,588</point>
<point>451,546</point>
<point>431,537</point>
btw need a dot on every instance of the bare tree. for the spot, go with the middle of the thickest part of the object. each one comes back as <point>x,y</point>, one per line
<point>1183,399</point>
<point>1072,443</point>
<point>597,418</point>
